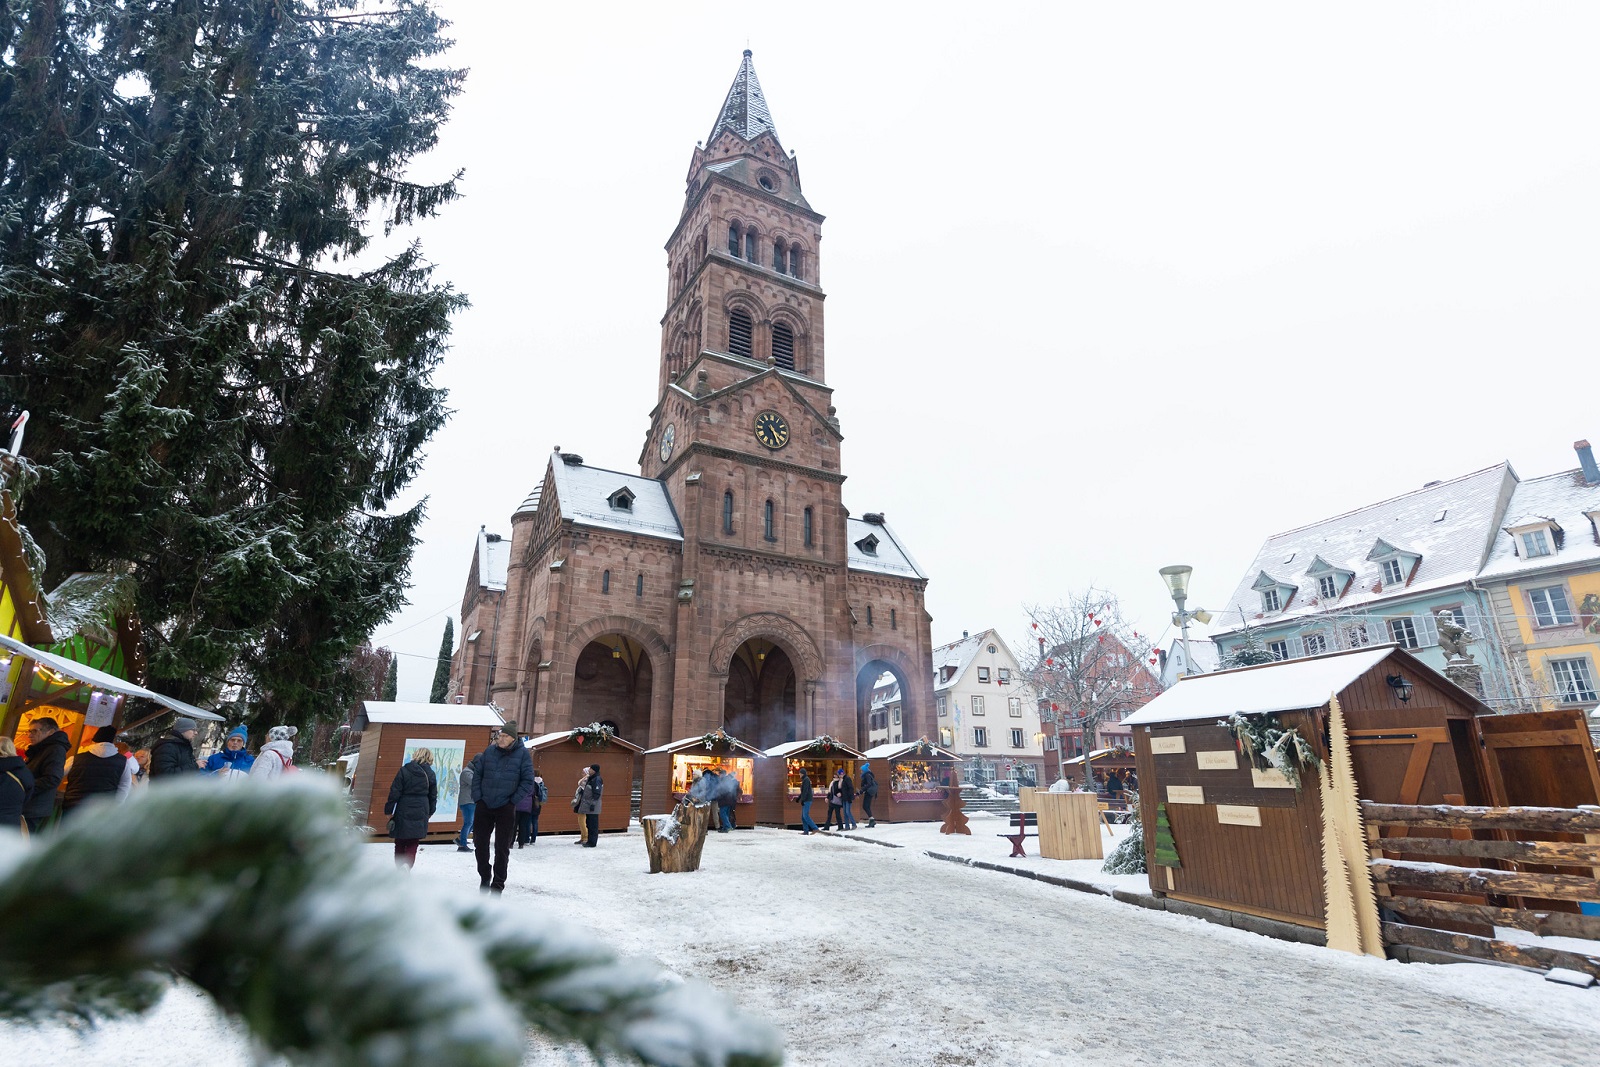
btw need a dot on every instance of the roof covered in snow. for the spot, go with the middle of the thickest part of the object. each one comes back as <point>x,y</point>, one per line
<point>591,496</point>
<point>1450,525</point>
<point>793,748</point>
<point>744,111</point>
<point>404,711</point>
<point>1563,499</point>
<point>699,741</point>
<point>876,550</point>
<point>958,654</point>
<point>494,559</point>
<point>903,749</point>
<point>1289,686</point>
<point>546,740</point>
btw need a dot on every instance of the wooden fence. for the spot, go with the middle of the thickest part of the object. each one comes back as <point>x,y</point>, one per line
<point>1523,868</point>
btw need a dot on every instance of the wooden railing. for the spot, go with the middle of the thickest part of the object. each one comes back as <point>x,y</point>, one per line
<point>1490,872</point>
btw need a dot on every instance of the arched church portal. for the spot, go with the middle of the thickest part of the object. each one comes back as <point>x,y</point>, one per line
<point>881,705</point>
<point>611,684</point>
<point>760,706</point>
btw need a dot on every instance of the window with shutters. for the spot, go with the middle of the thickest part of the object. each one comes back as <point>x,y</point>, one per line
<point>727,512</point>
<point>1572,680</point>
<point>1550,606</point>
<point>783,346</point>
<point>1356,636</point>
<point>768,520</point>
<point>1315,644</point>
<point>1016,739</point>
<point>1279,649</point>
<point>980,737</point>
<point>741,332</point>
<point>1403,632</point>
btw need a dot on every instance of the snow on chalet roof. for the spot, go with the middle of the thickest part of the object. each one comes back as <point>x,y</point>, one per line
<point>1560,498</point>
<point>699,742</point>
<point>1450,525</point>
<point>545,740</point>
<point>957,654</point>
<point>875,549</point>
<point>494,559</point>
<point>1290,686</point>
<point>385,711</point>
<point>586,495</point>
<point>790,747</point>
<point>900,748</point>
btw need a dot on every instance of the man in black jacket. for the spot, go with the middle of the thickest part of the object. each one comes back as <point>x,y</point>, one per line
<point>174,753</point>
<point>502,776</point>
<point>868,793</point>
<point>47,761</point>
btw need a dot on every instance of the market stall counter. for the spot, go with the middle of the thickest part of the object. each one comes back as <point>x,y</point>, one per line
<point>778,777</point>
<point>392,731</point>
<point>670,770</point>
<point>913,779</point>
<point>561,759</point>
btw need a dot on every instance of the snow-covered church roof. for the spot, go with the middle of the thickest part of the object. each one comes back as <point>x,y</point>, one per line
<point>494,560</point>
<point>592,496</point>
<point>876,550</point>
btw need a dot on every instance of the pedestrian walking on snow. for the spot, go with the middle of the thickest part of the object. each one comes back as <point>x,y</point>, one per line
<point>464,802</point>
<point>47,762</point>
<point>503,775</point>
<point>413,798</point>
<point>276,757</point>
<point>808,793</point>
<point>847,796</point>
<point>16,786</point>
<point>234,759</point>
<point>541,793</point>
<point>99,770</point>
<point>588,804</point>
<point>835,801</point>
<point>869,793</point>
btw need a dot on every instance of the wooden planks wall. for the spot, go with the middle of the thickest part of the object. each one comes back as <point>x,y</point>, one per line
<point>1069,826</point>
<point>561,765</point>
<point>389,752</point>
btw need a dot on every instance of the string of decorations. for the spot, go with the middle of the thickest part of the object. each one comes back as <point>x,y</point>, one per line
<point>1268,745</point>
<point>596,735</point>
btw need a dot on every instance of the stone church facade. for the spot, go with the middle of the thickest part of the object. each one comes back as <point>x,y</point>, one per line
<point>724,584</point>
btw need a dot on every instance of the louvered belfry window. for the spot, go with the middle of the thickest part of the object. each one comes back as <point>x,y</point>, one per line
<point>740,332</point>
<point>783,346</point>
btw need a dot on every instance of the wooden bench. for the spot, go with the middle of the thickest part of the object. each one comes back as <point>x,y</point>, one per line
<point>1021,822</point>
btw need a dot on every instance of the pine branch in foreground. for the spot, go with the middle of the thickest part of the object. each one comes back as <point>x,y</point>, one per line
<point>259,895</point>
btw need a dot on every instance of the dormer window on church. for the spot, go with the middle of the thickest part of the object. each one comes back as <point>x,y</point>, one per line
<point>868,544</point>
<point>621,500</point>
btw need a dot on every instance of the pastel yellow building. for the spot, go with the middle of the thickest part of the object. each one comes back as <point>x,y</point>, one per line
<point>1543,578</point>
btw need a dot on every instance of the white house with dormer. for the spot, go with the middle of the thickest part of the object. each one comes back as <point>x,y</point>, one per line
<point>986,713</point>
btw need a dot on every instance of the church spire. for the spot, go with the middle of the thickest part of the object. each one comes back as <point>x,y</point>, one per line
<point>745,110</point>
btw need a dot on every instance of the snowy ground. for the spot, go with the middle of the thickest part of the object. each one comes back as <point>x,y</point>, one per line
<point>883,956</point>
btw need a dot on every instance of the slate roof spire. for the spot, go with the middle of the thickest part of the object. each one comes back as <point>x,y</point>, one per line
<point>745,110</point>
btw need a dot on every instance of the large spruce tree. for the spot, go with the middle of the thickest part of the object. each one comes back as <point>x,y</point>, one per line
<point>224,404</point>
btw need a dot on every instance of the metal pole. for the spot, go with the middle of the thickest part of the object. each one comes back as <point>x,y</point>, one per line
<point>1183,628</point>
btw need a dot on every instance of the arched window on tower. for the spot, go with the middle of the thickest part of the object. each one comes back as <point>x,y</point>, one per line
<point>769,520</point>
<point>794,261</point>
<point>751,240</point>
<point>808,521</point>
<point>783,345</point>
<point>638,586</point>
<point>733,238</point>
<point>605,581</point>
<point>740,333</point>
<point>727,512</point>
<point>780,257</point>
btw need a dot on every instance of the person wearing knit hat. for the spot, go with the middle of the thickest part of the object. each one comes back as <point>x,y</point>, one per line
<point>234,759</point>
<point>277,755</point>
<point>173,754</point>
<point>99,770</point>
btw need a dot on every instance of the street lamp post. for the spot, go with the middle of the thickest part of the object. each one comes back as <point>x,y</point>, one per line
<point>1177,579</point>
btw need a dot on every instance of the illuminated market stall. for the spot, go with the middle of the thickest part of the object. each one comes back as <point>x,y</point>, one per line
<point>913,780</point>
<point>670,771</point>
<point>778,777</point>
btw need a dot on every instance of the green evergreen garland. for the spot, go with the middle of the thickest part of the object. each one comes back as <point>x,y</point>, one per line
<point>259,895</point>
<point>1269,745</point>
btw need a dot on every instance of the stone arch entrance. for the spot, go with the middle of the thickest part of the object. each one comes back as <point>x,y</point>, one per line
<point>760,700</point>
<point>612,681</point>
<point>903,717</point>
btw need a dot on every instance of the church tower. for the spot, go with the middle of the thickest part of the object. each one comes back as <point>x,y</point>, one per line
<point>724,585</point>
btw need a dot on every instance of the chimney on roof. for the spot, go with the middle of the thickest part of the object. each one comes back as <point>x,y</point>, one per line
<point>965,635</point>
<point>1591,473</point>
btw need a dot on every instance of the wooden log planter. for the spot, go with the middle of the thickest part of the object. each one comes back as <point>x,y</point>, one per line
<point>674,842</point>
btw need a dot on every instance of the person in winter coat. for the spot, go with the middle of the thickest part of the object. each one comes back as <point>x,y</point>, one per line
<point>588,801</point>
<point>47,762</point>
<point>847,796</point>
<point>413,798</point>
<point>869,793</point>
<point>277,755</point>
<point>99,770</point>
<point>808,793</point>
<point>835,801</point>
<point>503,775</point>
<point>173,754</point>
<point>16,786</point>
<point>528,813</point>
<point>464,802</point>
<point>234,759</point>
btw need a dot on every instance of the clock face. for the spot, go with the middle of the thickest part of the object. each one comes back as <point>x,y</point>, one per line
<point>772,430</point>
<point>669,438</point>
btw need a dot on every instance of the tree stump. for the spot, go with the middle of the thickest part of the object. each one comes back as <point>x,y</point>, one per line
<point>675,841</point>
<point>955,819</point>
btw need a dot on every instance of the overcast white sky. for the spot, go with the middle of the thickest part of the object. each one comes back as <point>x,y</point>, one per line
<point>1110,286</point>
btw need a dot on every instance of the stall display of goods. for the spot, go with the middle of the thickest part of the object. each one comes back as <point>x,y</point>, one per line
<point>916,781</point>
<point>686,767</point>
<point>821,771</point>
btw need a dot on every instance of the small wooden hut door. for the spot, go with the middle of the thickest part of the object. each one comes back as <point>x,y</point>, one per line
<point>1540,758</point>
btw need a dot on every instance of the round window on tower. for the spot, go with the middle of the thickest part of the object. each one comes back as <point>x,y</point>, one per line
<point>768,182</point>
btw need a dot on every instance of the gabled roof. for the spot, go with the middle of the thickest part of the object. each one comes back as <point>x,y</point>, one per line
<point>899,749</point>
<point>1382,548</point>
<point>686,743</point>
<point>1562,498</point>
<point>560,736</point>
<point>1321,566</point>
<point>406,711</point>
<point>1449,524</point>
<point>744,112</point>
<point>1292,685</point>
<point>891,557</point>
<point>795,748</point>
<point>584,494</point>
<point>494,560</point>
<point>959,654</point>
